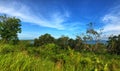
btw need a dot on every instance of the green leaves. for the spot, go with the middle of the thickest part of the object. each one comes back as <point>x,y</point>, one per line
<point>114,44</point>
<point>44,39</point>
<point>9,27</point>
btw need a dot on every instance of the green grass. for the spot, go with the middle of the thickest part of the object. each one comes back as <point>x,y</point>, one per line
<point>49,57</point>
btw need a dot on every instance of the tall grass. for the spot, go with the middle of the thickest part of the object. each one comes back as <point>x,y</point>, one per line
<point>49,57</point>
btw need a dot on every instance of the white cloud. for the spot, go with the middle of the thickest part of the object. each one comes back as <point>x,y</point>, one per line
<point>112,21</point>
<point>26,15</point>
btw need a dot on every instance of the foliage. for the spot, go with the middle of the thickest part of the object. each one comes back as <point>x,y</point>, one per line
<point>44,39</point>
<point>114,44</point>
<point>49,58</point>
<point>62,54</point>
<point>9,27</point>
<point>71,43</point>
<point>78,43</point>
<point>92,35</point>
<point>63,42</point>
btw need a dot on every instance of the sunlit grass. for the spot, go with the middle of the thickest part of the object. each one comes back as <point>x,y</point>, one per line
<point>45,58</point>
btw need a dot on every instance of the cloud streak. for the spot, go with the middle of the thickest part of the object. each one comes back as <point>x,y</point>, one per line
<point>26,14</point>
<point>112,21</point>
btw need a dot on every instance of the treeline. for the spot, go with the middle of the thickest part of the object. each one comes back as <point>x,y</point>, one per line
<point>64,42</point>
<point>112,46</point>
<point>11,26</point>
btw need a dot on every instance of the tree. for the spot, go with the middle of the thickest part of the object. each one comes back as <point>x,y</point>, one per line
<point>63,42</point>
<point>36,42</point>
<point>44,39</point>
<point>71,43</point>
<point>93,35</point>
<point>78,43</point>
<point>114,44</point>
<point>9,29</point>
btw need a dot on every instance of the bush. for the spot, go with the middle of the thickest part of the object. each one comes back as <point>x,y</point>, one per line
<point>114,45</point>
<point>44,39</point>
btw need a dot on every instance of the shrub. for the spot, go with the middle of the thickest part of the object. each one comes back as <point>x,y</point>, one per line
<point>114,44</point>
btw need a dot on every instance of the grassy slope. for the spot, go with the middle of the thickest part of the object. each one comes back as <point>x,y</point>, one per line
<point>50,58</point>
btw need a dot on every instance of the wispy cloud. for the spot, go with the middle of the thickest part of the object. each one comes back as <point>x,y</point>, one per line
<point>112,21</point>
<point>26,14</point>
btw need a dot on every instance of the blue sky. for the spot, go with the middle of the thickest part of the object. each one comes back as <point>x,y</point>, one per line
<point>63,17</point>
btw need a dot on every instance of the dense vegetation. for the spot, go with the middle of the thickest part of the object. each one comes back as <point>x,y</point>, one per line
<point>62,54</point>
<point>114,44</point>
<point>9,27</point>
<point>49,57</point>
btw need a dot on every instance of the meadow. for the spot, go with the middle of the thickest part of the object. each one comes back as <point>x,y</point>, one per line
<point>25,57</point>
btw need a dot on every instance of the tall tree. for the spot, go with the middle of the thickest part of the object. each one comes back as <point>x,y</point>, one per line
<point>93,34</point>
<point>44,39</point>
<point>9,28</point>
